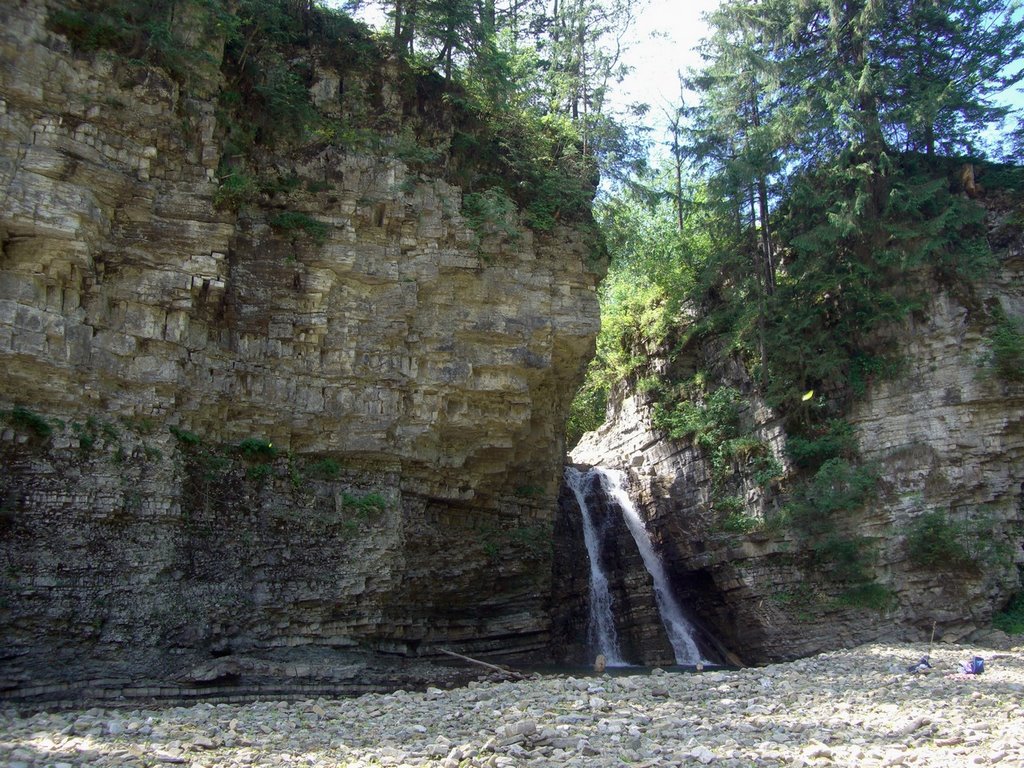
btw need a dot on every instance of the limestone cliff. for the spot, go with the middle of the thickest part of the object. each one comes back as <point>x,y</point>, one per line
<point>947,438</point>
<point>229,431</point>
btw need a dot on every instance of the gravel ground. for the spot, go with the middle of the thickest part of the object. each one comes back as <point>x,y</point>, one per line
<point>857,707</point>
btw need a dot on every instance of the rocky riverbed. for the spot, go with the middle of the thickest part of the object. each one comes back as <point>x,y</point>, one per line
<point>857,707</point>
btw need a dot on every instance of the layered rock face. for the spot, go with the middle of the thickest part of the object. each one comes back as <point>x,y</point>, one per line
<point>946,437</point>
<point>224,437</point>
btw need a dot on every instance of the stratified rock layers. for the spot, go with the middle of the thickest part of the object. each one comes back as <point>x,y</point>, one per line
<point>224,436</point>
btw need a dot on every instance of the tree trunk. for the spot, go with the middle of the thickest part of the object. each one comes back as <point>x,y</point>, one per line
<point>397,33</point>
<point>677,161</point>
<point>766,237</point>
<point>762,289</point>
<point>867,100</point>
<point>581,39</point>
<point>488,19</point>
<point>768,260</point>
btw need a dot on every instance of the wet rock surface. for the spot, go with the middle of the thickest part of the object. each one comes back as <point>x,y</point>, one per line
<point>856,707</point>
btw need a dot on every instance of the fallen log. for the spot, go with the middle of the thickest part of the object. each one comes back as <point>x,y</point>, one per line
<point>487,665</point>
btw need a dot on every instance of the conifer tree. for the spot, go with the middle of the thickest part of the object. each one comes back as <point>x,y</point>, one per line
<point>812,106</point>
<point>941,61</point>
<point>733,138</point>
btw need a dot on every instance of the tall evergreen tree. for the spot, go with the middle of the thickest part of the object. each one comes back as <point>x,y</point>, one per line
<point>451,28</point>
<point>941,62</point>
<point>733,136</point>
<point>583,48</point>
<point>808,105</point>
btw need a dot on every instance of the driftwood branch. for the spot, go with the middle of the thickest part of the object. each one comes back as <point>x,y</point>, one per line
<point>493,667</point>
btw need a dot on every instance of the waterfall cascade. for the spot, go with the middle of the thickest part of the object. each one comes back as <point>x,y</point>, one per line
<point>678,628</point>
<point>601,624</point>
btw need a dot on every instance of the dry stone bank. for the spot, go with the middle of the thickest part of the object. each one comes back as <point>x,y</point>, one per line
<point>857,707</point>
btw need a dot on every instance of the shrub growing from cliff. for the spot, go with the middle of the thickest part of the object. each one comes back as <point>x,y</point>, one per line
<point>1006,340</point>
<point>832,440</point>
<point>868,594</point>
<point>364,504</point>
<point>298,223</point>
<point>28,421</point>
<point>1011,618</point>
<point>257,448</point>
<point>185,437</point>
<point>587,411</point>
<point>837,489</point>
<point>708,421</point>
<point>713,423</point>
<point>325,469</point>
<point>936,542</point>
<point>844,558</point>
<point>491,212</point>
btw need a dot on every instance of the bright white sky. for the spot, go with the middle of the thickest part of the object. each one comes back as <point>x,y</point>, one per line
<point>667,31</point>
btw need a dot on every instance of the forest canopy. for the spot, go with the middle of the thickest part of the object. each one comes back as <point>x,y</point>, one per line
<point>823,176</point>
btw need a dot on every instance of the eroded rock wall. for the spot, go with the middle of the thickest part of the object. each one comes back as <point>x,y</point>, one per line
<point>223,437</point>
<point>947,436</point>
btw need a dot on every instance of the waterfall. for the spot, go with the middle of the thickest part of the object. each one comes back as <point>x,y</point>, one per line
<point>601,625</point>
<point>679,630</point>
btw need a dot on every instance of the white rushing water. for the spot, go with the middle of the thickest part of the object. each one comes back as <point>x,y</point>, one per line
<point>680,631</point>
<point>601,624</point>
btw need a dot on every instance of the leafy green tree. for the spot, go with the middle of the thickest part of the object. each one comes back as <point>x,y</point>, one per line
<point>454,28</point>
<point>653,265</point>
<point>448,31</point>
<point>405,19</point>
<point>735,139</point>
<point>875,76</point>
<point>733,136</point>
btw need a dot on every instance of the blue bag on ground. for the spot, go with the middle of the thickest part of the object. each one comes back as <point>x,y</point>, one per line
<point>973,667</point>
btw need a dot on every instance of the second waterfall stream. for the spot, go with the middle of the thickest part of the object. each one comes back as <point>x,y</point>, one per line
<point>677,627</point>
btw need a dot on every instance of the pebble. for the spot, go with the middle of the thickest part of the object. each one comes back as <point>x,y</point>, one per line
<point>840,708</point>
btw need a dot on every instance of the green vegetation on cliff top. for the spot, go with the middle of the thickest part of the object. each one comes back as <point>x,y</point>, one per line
<point>498,100</point>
